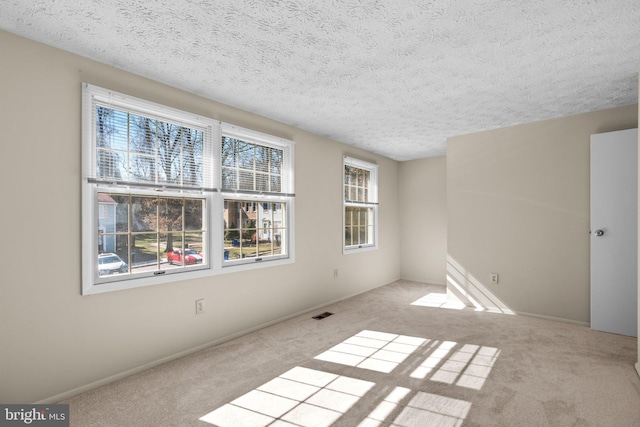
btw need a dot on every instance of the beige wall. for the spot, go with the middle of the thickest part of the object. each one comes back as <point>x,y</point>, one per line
<point>423,219</point>
<point>54,340</point>
<point>518,205</point>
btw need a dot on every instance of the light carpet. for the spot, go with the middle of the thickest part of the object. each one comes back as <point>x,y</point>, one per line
<point>388,357</point>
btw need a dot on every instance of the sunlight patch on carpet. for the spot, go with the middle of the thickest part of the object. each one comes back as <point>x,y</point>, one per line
<point>439,300</point>
<point>376,351</point>
<point>301,396</point>
<point>423,409</point>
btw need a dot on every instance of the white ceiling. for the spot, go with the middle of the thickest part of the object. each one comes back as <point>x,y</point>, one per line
<point>393,77</point>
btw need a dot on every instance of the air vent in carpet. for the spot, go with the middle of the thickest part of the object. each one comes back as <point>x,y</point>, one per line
<point>322,316</point>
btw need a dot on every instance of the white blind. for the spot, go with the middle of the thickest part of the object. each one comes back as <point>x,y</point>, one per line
<point>138,143</point>
<point>255,163</point>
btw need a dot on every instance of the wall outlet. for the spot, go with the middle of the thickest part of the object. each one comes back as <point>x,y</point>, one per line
<point>335,273</point>
<point>494,278</point>
<point>199,306</point>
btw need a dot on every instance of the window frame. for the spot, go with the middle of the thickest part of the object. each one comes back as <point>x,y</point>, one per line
<point>209,190</point>
<point>370,203</point>
<point>286,195</point>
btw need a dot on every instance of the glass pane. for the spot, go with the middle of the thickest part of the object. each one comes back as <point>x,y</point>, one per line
<point>112,263</point>
<point>347,236</point>
<point>143,168</point>
<point>229,178</point>
<point>276,161</point>
<point>363,235</point>
<point>111,164</point>
<point>246,180</point>
<point>142,135</point>
<point>144,215</point>
<point>192,157</point>
<point>265,248</point>
<point>144,256</point>
<point>245,155</point>
<point>262,182</point>
<point>364,216</point>
<point>118,132</point>
<point>229,157</point>
<point>231,250</point>
<point>248,232</point>
<point>263,156</point>
<point>122,212</point>
<point>171,246</point>
<point>194,242</point>
<point>348,215</point>
<point>194,214</point>
<point>279,235</point>
<point>106,213</point>
<point>170,211</point>
<point>230,215</point>
<point>347,174</point>
<point>248,251</point>
<point>276,184</point>
<point>170,142</point>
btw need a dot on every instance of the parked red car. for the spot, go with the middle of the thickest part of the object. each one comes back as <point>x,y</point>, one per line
<point>190,257</point>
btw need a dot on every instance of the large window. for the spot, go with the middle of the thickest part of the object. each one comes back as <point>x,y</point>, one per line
<point>169,195</point>
<point>360,204</point>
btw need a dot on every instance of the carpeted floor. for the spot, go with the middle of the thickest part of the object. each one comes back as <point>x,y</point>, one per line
<point>380,360</point>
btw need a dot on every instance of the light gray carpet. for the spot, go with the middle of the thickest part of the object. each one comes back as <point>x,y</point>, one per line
<point>379,360</point>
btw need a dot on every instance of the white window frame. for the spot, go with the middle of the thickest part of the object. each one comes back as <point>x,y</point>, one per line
<point>213,223</point>
<point>371,202</point>
<point>286,196</point>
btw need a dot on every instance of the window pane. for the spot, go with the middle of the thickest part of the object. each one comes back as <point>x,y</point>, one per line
<point>144,256</point>
<point>142,135</point>
<point>265,248</point>
<point>263,155</point>
<point>144,214</point>
<point>194,214</point>
<point>170,211</point>
<point>246,180</point>
<point>276,184</point>
<point>111,263</point>
<point>143,168</point>
<point>262,182</point>
<point>245,154</point>
<point>171,246</point>
<point>111,164</point>
<point>229,157</point>
<point>230,178</point>
<point>192,157</point>
<point>111,129</point>
<point>248,251</point>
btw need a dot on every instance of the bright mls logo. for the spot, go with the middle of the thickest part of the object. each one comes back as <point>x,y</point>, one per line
<point>34,415</point>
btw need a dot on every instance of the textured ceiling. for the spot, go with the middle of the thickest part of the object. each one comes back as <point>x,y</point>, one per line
<point>393,77</point>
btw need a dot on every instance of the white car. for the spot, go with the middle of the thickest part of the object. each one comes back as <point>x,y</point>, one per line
<point>111,263</point>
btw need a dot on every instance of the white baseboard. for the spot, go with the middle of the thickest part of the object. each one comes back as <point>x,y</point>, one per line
<point>557,319</point>
<point>112,378</point>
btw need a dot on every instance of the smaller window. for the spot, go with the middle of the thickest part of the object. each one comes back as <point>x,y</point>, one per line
<point>360,189</point>
<point>258,196</point>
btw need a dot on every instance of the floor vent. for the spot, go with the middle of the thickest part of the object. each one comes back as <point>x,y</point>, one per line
<point>322,316</point>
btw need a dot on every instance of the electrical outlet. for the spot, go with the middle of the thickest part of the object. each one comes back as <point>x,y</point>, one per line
<point>199,306</point>
<point>335,273</point>
<point>494,278</point>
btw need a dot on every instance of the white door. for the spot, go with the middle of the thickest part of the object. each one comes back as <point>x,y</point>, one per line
<point>614,232</point>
